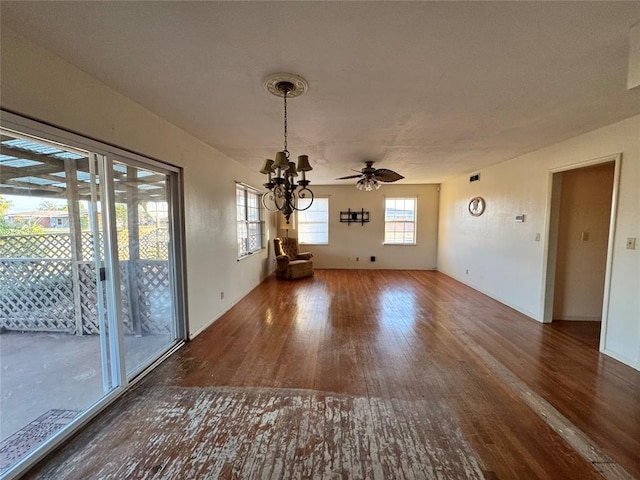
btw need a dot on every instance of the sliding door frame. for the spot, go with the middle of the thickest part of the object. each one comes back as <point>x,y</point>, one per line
<point>104,154</point>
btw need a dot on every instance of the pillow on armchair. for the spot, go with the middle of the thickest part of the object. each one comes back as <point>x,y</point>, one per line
<point>290,262</point>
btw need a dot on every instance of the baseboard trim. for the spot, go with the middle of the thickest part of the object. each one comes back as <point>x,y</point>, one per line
<point>577,318</point>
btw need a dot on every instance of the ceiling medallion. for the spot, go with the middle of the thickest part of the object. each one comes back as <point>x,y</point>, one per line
<point>298,85</point>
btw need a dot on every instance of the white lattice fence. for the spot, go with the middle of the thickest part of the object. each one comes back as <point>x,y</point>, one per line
<point>36,295</point>
<point>55,245</point>
<point>152,245</point>
<point>155,244</point>
<point>154,295</point>
<point>36,283</point>
<point>89,298</point>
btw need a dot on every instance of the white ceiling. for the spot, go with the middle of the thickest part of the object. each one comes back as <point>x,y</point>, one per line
<point>429,89</point>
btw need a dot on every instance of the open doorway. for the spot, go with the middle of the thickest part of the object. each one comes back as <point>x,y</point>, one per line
<point>580,235</point>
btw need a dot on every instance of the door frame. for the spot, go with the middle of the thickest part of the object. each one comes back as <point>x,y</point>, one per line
<point>551,244</point>
<point>121,382</point>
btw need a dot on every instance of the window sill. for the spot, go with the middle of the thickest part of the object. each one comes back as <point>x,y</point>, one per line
<point>401,244</point>
<point>249,255</point>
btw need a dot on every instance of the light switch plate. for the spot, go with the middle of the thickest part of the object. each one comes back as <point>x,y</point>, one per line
<point>631,243</point>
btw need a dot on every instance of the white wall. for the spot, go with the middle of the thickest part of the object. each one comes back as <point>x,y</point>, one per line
<point>349,242</point>
<point>502,257</point>
<point>38,84</point>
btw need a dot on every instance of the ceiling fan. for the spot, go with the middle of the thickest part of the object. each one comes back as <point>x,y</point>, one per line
<point>369,177</point>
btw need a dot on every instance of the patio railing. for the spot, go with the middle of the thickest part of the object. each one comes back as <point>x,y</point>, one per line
<point>37,291</point>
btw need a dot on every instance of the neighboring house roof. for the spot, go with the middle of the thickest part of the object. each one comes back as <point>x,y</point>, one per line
<point>40,214</point>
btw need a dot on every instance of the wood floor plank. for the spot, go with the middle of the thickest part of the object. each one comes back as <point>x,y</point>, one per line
<point>389,386</point>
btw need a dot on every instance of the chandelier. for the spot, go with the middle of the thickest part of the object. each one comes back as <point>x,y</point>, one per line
<point>283,190</point>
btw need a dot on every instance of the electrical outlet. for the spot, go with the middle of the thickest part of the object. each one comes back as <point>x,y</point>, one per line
<point>537,237</point>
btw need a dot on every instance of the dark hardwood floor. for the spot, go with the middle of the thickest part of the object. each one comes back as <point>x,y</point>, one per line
<point>411,338</point>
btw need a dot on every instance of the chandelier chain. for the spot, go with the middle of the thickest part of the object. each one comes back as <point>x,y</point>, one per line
<point>286,151</point>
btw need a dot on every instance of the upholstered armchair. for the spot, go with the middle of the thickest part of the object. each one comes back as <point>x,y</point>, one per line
<point>290,262</point>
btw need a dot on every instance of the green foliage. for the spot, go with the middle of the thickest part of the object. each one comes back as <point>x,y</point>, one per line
<point>49,205</point>
<point>23,228</point>
<point>20,229</point>
<point>121,216</point>
<point>5,205</point>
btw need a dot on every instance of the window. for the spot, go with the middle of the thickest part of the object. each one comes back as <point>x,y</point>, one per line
<point>249,220</point>
<point>313,223</point>
<point>400,221</point>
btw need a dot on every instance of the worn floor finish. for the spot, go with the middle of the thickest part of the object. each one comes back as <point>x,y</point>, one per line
<point>262,433</point>
<point>409,362</point>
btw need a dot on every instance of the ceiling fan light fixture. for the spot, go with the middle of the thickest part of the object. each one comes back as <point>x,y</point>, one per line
<point>370,178</point>
<point>367,184</point>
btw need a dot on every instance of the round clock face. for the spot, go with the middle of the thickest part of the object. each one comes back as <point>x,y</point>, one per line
<point>476,206</point>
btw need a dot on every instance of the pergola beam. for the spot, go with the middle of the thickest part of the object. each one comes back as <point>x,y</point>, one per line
<point>36,157</point>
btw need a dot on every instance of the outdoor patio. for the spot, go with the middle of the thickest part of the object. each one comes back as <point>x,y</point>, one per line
<point>45,373</point>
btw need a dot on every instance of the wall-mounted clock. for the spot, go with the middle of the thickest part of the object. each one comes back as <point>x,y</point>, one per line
<point>477,206</point>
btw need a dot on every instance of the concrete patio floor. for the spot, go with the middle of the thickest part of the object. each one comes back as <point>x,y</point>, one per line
<point>43,371</point>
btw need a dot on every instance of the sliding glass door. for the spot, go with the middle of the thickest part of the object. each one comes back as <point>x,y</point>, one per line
<point>145,262</point>
<point>90,281</point>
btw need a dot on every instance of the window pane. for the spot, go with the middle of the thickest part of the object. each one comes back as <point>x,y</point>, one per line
<point>241,213</point>
<point>254,237</point>
<point>399,217</point>
<point>253,214</point>
<point>144,241</point>
<point>313,223</point>
<point>242,237</point>
<point>249,221</point>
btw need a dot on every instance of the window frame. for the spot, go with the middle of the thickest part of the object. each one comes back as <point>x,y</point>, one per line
<point>246,222</point>
<point>414,221</point>
<point>299,223</point>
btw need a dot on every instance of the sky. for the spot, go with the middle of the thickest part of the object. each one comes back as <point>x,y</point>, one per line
<point>20,203</point>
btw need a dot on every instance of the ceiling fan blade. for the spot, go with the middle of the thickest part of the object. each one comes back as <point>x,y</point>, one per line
<point>385,175</point>
<point>349,176</point>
